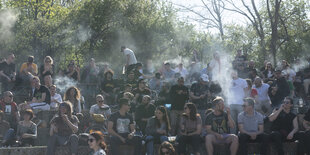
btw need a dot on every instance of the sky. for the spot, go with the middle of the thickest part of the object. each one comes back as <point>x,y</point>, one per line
<point>228,17</point>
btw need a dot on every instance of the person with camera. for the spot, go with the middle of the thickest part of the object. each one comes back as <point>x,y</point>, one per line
<point>284,126</point>
<point>100,112</point>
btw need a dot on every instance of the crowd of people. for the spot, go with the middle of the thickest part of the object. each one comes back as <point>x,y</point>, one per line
<point>173,107</point>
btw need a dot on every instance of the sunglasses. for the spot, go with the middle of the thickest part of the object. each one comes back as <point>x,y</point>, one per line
<point>90,140</point>
<point>286,102</point>
<point>100,101</point>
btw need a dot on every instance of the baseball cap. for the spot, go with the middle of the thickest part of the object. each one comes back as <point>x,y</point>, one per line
<point>204,77</point>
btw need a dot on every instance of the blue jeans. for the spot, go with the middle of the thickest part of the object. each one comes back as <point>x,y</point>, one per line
<point>9,137</point>
<point>56,140</point>
<point>150,143</point>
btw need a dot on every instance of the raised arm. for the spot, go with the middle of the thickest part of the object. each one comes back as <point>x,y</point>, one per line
<point>275,114</point>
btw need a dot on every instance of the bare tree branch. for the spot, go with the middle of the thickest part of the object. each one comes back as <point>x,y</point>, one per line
<point>214,9</point>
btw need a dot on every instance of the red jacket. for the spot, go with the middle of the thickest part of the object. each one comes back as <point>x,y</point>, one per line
<point>13,107</point>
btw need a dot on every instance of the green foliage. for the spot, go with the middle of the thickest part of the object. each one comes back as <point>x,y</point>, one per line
<point>81,29</point>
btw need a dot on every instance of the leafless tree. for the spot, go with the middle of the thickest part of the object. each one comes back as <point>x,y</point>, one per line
<point>254,15</point>
<point>210,14</point>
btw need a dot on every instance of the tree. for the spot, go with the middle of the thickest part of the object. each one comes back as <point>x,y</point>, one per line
<point>210,14</point>
<point>267,21</point>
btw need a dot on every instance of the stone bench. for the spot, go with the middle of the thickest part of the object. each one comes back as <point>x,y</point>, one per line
<point>37,150</point>
<point>41,150</point>
<point>220,149</point>
<point>64,150</point>
<point>254,148</point>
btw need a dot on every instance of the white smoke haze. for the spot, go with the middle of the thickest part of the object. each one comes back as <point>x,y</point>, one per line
<point>77,35</point>
<point>83,33</point>
<point>8,19</point>
<point>63,83</point>
<point>300,64</point>
<point>176,61</point>
<point>126,39</point>
<point>223,77</point>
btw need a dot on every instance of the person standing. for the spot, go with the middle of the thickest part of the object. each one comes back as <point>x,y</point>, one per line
<point>179,96</point>
<point>183,71</point>
<point>130,58</point>
<point>264,103</point>
<point>7,72</point>
<point>168,73</point>
<point>237,92</point>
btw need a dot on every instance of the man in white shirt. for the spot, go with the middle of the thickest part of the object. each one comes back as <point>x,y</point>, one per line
<point>56,98</point>
<point>180,69</point>
<point>263,104</point>
<point>130,58</point>
<point>236,95</point>
<point>215,65</point>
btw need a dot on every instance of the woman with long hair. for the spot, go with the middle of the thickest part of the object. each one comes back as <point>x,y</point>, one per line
<point>96,143</point>
<point>268,71</point>
<point>157,129</point>
<point>166,148</point>
<point>190,126</point>
<point>290,76</point>
<point>63,129</point>
<point>47,68</point>
<point>74,96</point>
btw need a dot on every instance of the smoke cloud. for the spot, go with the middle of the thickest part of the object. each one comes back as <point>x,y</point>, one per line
<point>63,83</point>
<point>8,19</point>
<point>300,64</point>
<point>223,75</point>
